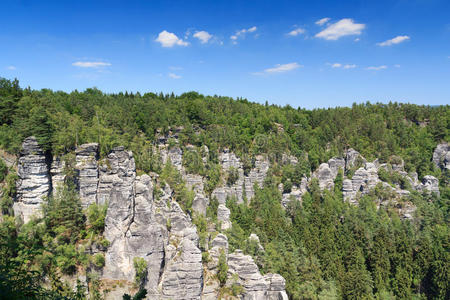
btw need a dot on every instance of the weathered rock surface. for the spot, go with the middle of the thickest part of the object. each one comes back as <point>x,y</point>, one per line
<point>86,157</point>
<point>430,184</point>
<point>255,285</point>
<point>57,173</point>
<point>223,216</point>
<point>441,156</point>
<point>34,180</point>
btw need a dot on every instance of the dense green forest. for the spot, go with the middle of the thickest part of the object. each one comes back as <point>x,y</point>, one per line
<point>324,248</point>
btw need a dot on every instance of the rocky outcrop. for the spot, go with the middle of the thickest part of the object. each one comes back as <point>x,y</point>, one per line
<point>256,286</point>
<point>244,186</point>
<point>116,187</point>
<point>441,156</point>
<point>430,184</point>
<point>223,216</point>
<point>34,183</point>
<point>201,201</point>
<point>57,173</point>
<point>327,172</point>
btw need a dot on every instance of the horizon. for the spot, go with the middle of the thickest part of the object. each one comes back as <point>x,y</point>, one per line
<point>308,55</point>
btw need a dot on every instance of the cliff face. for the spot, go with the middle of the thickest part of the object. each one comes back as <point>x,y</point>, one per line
<point>143,224</point>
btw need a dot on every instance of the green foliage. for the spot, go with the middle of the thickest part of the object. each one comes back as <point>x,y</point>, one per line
<point>3,170</point>
<point>140,295</point>
<point>98,260</point>
<point>64,217</point>
<point>222,272</point>
<point>8,193</point>
<point>96,215</point>
<point>140,268</point>
<point>192,161</point>
<point>232,176</point>
<point>183,195</point>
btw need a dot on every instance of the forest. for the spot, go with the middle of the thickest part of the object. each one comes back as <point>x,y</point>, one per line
<point>324,247</point>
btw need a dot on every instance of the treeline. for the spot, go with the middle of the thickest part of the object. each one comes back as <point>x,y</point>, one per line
<point>61,121</point>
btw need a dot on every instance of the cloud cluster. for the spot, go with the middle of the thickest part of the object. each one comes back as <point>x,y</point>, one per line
<point>11,68</point>
<point>397,40</point>
<point>242,33</point>
<point>377,68</point>
<point>343,66</point>
<point>322,21</point>
<point>203,36</point>
<point>90,64</point>
<point>169,39</point>
<point>341,28</point>
<point>280,68</point>
<point>174,76</point>
<point>296,32</point>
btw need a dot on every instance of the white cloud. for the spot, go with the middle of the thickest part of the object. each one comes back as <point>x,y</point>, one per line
<point>296,32</point>
<point>357,39</point>
<point>397,40</point>
<point>203,36</point>
<point>280,68</point>
<point>341,28</point>
<point>344,66</point>
<point>11,68</point>
<point>90,64</point>
<point>377,68</point>
<point>169,39</point>
<point>241,33</point>
<point>352,66</point>
<point>322,21</point>
<point>174,76</point>
<point>397,66</point>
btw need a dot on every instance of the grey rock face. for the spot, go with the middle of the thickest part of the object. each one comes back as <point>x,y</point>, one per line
<point>86,157</point>
<point>325,176</point>
<point>34,180</point>
<point>441,156</point>
<point>116,187</point>
<point>57,173</point>
<point>183,272</point>
<point>244,185</point>
<point>352,157</point>
<point>201,201</point>
<point>347,191</point>
<point>327,172</point>
<point>223,215</point>
<point>256,286</point>
<point>430,184</point>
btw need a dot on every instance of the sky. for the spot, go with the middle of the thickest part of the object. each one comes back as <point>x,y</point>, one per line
<point>309,54</point>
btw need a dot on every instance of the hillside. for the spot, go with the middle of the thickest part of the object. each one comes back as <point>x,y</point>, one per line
<point>208,197</point>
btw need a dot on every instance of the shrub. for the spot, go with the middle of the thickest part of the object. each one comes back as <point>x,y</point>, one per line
<point>98,260</point>
<point>222,273</point>
<point>140,267</point>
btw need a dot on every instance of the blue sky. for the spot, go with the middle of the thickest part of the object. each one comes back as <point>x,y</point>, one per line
<point>303,53</point>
